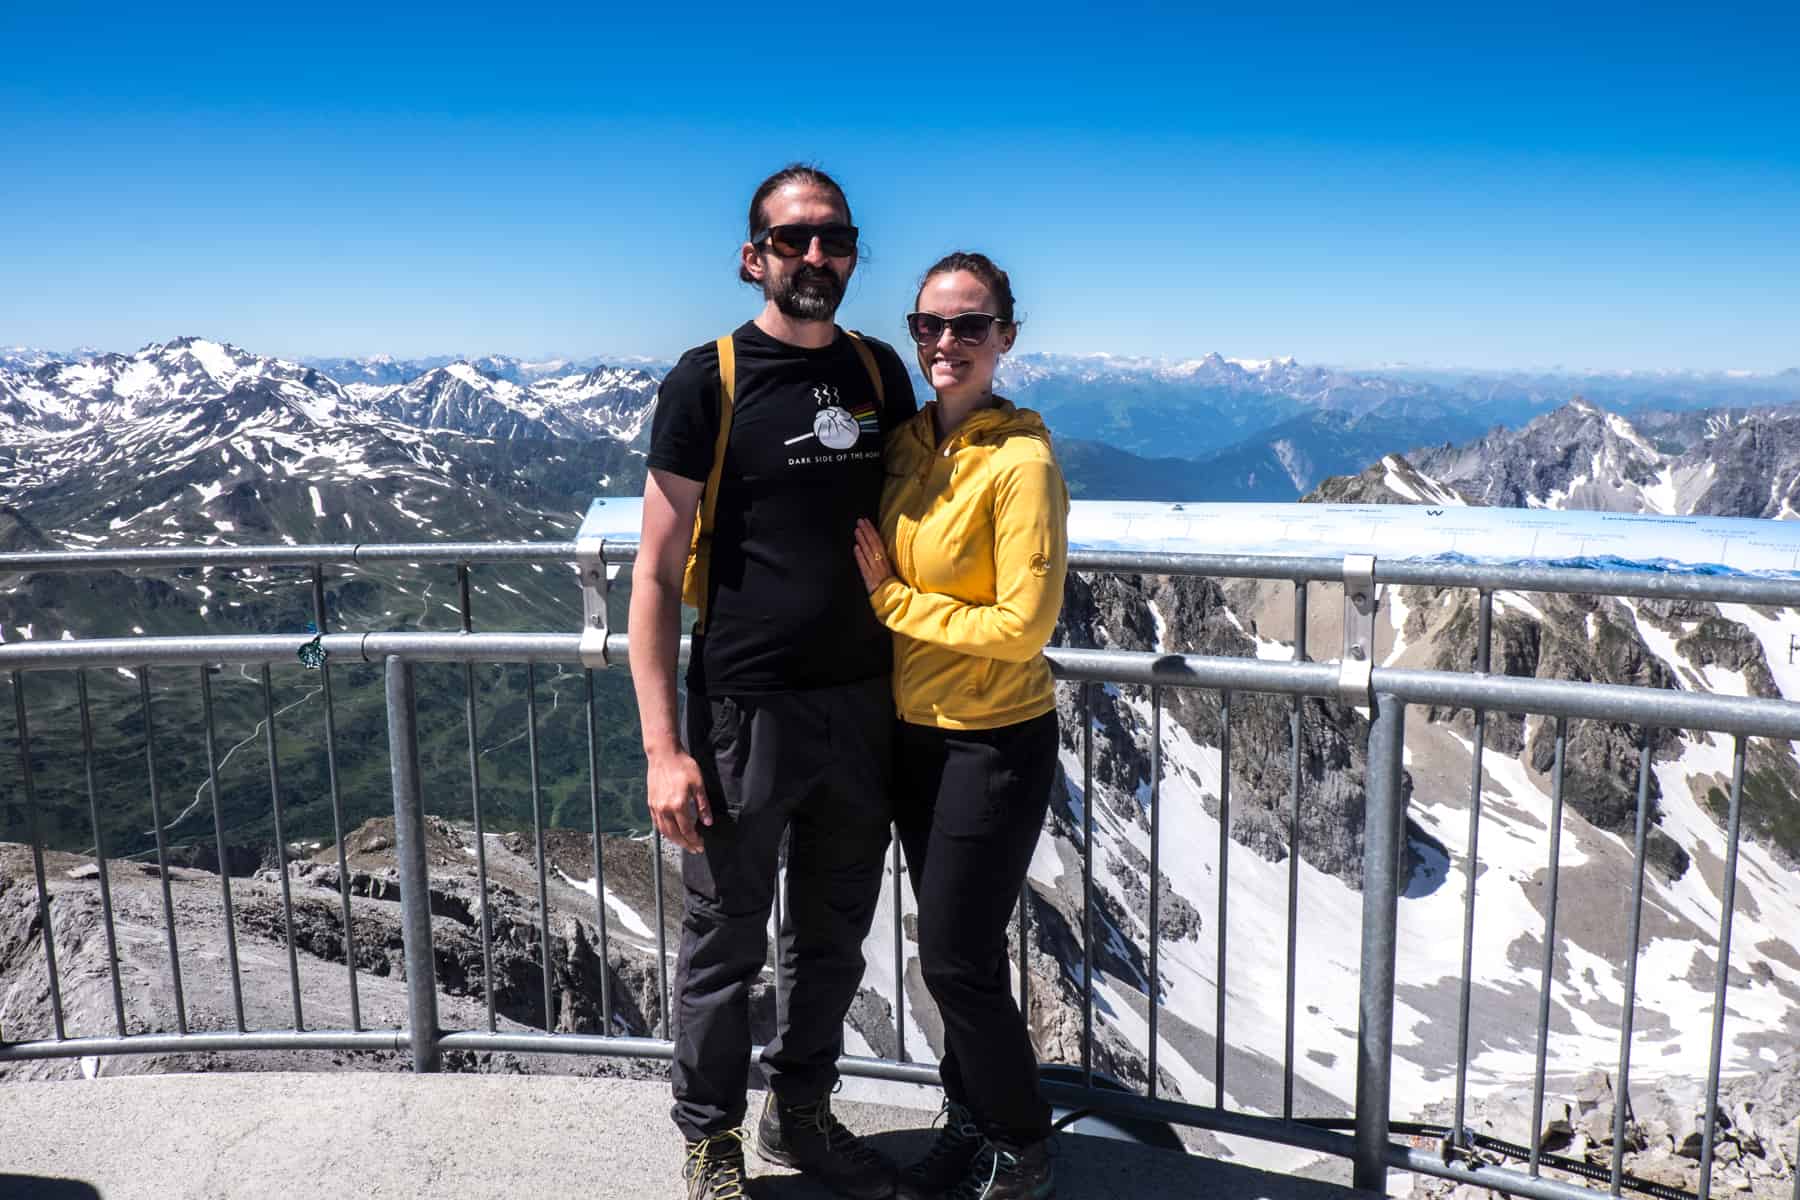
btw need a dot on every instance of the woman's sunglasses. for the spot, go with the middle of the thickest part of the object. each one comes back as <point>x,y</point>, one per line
<point>793,241</point>
<point>971,328</point>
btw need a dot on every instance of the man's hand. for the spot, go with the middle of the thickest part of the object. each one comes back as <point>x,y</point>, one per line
<point>871,556</point>
<point>677,798</point>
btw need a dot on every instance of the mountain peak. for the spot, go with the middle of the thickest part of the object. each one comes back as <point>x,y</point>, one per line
<point>1393,480</point>
<point>468,372</point>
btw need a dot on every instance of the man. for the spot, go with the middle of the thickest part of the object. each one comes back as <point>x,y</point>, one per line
<point>789,709</point>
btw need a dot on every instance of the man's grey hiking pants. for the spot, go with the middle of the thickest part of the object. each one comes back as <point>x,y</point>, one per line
<point>813,766</point>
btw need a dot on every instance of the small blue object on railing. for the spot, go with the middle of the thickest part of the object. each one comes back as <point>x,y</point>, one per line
<point>312,654</point>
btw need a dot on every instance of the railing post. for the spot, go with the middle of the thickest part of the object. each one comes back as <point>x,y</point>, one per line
<point>1382,825</point>
<point>415,878</point>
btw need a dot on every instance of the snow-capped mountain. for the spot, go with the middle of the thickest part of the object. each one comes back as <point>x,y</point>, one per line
<point>1716,463</point>
<point>613,402</point>
<point>193,442</point>
<point>30,358</point>
<point>1277,424</point>
<point>1625,391</point>
<point>387,370</point>
<point>116,389</point>
<point>383,370</point>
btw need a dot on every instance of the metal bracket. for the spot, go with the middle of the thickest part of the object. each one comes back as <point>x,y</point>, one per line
<point>1355,679</point>
<point>590,560</point>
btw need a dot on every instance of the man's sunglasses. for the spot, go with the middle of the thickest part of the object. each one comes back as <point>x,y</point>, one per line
<point>793,241</point>
<point>970,328</point>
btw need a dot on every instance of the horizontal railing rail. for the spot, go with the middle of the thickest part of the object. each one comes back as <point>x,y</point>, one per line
<point>1502,693</point>
<point>1522,577</point>
<point>1620,703</point>
<point>1392,690</point>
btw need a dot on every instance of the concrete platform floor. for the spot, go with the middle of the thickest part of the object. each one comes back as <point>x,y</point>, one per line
<point>266,1136</point>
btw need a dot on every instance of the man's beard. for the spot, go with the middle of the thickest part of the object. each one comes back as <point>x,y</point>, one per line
<point>809,294</point>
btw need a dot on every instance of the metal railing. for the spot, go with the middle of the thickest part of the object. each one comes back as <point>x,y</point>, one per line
<point>1390,692</point>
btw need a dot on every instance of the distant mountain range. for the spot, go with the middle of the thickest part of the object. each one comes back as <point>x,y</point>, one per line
<point>1273,430</point>
<point>192,441</point>
<point>95,443</point>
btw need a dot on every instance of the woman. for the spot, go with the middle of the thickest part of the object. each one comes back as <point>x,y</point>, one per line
<point>967,571</point>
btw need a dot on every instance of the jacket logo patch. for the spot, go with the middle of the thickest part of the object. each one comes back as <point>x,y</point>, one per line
<point>1040,566</point>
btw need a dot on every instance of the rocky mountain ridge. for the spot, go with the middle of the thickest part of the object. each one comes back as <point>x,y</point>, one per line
<point>1727,463</point>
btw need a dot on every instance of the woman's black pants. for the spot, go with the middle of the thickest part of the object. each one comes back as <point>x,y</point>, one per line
<point>969,804</point>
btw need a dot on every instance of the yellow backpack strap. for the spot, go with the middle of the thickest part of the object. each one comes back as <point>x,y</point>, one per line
<point>870,365</point>
<point>727,400</point>
<point>693,589</point>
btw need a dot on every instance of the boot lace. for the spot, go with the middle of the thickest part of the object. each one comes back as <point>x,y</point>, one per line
<point>959,1129</point>
<point>718,1162</point>
<point>989,1165</point>
<point>838,1139</point>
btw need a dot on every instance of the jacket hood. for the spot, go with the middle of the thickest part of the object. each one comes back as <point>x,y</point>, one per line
<point>1001,420</point>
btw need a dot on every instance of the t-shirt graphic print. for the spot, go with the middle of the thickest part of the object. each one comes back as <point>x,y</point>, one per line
<point>836,427</point>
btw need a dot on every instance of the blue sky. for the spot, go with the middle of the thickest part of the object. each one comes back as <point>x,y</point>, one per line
<point>1587,185</point>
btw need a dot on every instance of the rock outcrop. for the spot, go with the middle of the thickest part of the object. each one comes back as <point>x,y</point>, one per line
<point>1753,1148</point>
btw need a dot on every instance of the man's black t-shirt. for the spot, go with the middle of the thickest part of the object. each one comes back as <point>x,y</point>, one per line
<point>787,609</point>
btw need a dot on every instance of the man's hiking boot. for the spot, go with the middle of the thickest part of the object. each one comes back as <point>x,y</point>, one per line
<point>958,1142</point>
<point>714,1169</point>
<point>1002,1172</point>
<point>809,1139</point>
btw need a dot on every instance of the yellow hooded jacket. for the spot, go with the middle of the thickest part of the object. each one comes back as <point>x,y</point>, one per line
<point>977,530</point>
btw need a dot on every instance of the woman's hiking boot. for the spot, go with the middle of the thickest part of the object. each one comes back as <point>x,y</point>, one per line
<point>809,1139</point>
<point>1003,1172</point>
<point>957,1143</point>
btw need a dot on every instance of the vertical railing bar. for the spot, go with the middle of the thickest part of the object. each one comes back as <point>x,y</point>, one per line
<point>1622,1093</point>
<point>287,897</point>
<point>481,874</point>
<point>337,804</point>
<point>1483,655</point>
<point>1547,977</point>
<point>1155,997</point>
<point>162,849</point>
<point>413,860</point>
<point>1087,884</point>
<point>776,916</point>
<point>1384,821</point>
<point>1224,890</point>
<point>662,937</point>
<point>37,854</point>
<point>212,783</point>
<point>1727,902</point>
<point>1293,895</point>
<point>106,907</point>
<point>593,740</point>
<point>1484,632</point>
<point>899,959</point>
<point>537,830</point>
<point>1024,961</point>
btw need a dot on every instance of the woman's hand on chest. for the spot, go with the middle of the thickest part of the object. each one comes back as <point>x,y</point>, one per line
<point>871,556</point>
